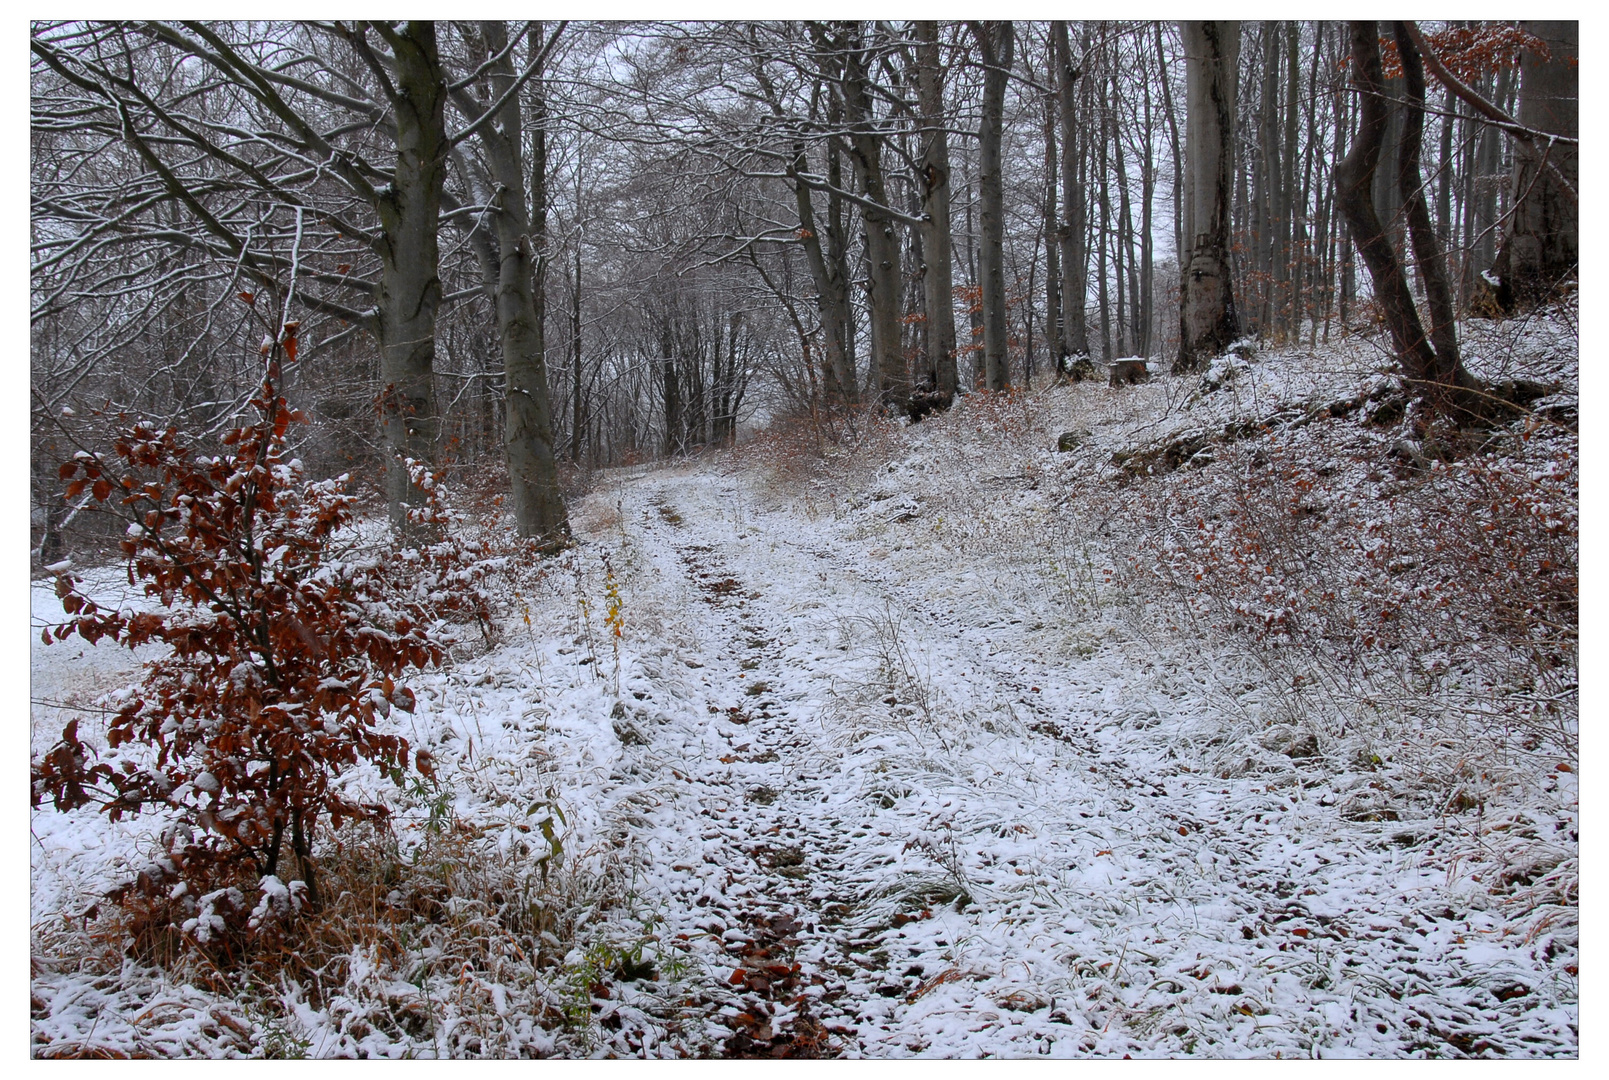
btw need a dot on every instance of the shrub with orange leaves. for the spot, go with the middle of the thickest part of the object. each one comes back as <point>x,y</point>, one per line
<point>280,668</point>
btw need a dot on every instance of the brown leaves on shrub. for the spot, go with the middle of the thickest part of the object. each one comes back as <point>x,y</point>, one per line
<point>281,660</point>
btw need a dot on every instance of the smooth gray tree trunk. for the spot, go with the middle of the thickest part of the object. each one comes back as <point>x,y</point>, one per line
<point>1128,317</point>
<point>1289,274</point>
<point>995,47</point>
<point>832,295</point>
<point>1144,313</point>
<point>1541,246</point>
<point>938,282</point>
<point>826,271</point>
<point>1074,257</point>
<point>1262,313</point>
<point>521,233</point>
<point>1488,177</point>
<point>892,377</point>
<point>410,284</point>
<point>1103,237</point>
<point>1056,328</point>
<point>1173,143</point>
<point>1208,322</point>
<point>1427,250</point>
<point>1441,378</point>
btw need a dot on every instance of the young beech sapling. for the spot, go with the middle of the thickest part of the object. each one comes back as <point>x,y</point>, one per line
<point>280,664</point>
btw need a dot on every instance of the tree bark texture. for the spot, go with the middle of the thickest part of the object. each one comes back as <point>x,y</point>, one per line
<point>1270,209</point>
<point>1289,273</point>
<point>995,42</point>
<point>1487,179</point>
<point>826,268</point>
<point>1074,259</point>
<point>1354,182</point>
<point>1208,321</point>
<point>893,380</point>
<point>938,283</point>
<point>410,285</point>
<point>832,294</point>
<point>1173,143</point>
<point>528,442</point>
<point>1540,247</point>
<point>1056,328</point>
<point>1427,250</point>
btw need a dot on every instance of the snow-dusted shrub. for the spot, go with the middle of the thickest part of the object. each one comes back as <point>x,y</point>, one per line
<point>280,671</point>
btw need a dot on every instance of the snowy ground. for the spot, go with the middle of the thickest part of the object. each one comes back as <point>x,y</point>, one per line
<point>862,795</point>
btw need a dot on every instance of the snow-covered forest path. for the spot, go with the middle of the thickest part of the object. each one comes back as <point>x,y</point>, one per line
<point>893,812</point>
<point>883,772</point>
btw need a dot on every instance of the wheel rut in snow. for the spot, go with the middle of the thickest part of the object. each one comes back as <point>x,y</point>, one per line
<point>752,889</point>
<point>812,928</point>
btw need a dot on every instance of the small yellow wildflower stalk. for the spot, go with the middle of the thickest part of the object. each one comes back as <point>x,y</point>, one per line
<point>614,615</point>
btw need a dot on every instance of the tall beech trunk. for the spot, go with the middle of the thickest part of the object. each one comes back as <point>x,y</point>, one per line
<point>974,290</point>
<point>1103,237</point>
<point>826,271</point>
<point>1271,207</point>
<point>995,48</point>
<point>1310,241</point>
<point>1124,260</point>
<point>837,255</point>
<point>1445,176</point>
<point>1441,376</point>
<point>521,233</point>
<point>1334,242</point>
<point>1173,143</point>
<point>1387,198</point>
<point>1055,328</point>
<point>892,377</point>
<point>938,283</point>
<point>1144,277</point>
<point>1074,256</point>
<point>1207,319</point>
<point>410,283</point>
<point>1488,164</point>
<point>832,294</point>
<point>578,421</point>
<point>1146,304</point>
<point>1541,246</point>
<point>1290,203</point>
<point>1427,249</point>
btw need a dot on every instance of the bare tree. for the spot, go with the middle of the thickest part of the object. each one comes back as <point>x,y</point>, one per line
<point>827,263</point>
<point>995,41</point>
<point>410,285</point>
<point>1540,248</point>
<point>299,136</point>
<point>1436,371</point>
<point>937,278</point>
<point>1208,322</point>
<point>1074,252</point>
<point>845,47</point>
<point>520,228</point>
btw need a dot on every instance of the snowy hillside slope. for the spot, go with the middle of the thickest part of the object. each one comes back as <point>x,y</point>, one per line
<point>898,754</point>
